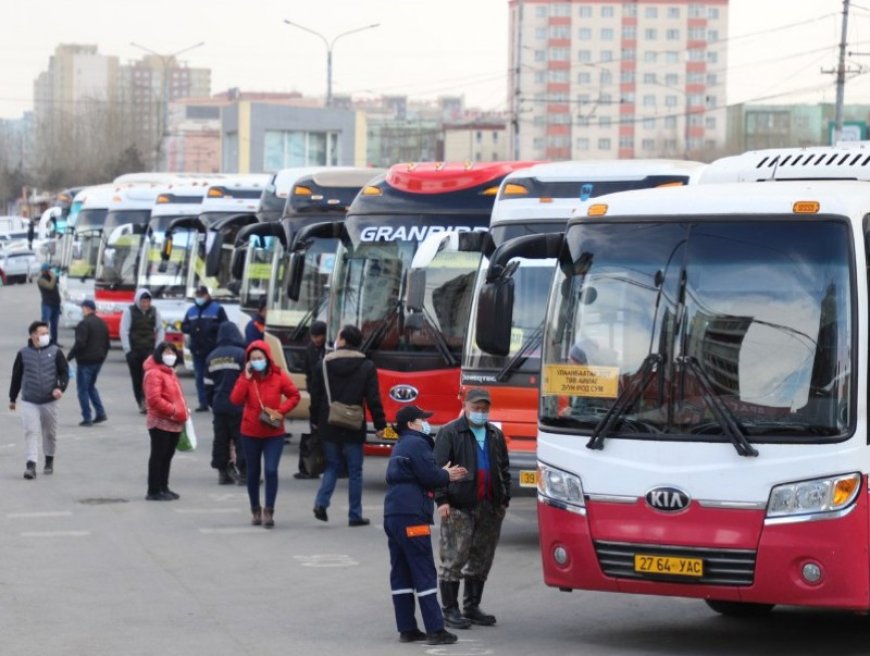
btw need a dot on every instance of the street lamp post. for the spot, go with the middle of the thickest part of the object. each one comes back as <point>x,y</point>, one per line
<point>161,154</point>
<point>329,46</point>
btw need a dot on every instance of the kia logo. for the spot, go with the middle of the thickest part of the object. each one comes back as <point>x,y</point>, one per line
<point>667,499</point>
<point>403,393</point>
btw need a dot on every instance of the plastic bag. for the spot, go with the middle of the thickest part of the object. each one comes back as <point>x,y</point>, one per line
<point>313,457</point>
<point>187,439</point>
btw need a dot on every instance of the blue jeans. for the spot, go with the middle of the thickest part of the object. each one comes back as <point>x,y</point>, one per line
<point>335,454</point>
<point>199,375</point>
<point>51,316</point>
<point>86,384</point>
<point>268,449</point>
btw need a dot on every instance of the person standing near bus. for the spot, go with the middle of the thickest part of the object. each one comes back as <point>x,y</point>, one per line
<point>256,328</point>
<point>223,367</point>
<point>89,351</point>
<point>141,330</point>
<point>472,509</point>
<point>408,513</point>
<point>201,325</point>
<point>314,353</point>
<point>50,293</point>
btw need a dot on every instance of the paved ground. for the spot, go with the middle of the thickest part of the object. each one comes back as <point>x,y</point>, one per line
<point>89,567</point>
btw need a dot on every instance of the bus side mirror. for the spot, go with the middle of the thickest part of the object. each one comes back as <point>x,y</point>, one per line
<point>237,268</point>
<point>297,268</point>
<point>166,253</point>
<point>495,308</point>
<point>416,290</point>
<point>213,257</point>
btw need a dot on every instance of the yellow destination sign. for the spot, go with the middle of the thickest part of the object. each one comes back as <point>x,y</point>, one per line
<point>581,380</point>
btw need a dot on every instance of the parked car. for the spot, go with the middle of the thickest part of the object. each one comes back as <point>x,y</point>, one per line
<point>19,265</point>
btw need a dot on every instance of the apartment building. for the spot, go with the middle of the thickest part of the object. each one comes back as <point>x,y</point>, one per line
<point>601,79</point>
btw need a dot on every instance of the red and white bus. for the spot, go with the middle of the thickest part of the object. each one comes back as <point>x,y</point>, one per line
<point>416,344</point>
<point>702,419</point>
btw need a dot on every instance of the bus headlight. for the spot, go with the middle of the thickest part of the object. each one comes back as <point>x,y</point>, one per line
<point>821,495</point>
<point>560,486</point>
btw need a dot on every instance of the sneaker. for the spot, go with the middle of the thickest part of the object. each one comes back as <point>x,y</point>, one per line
<point>411,636</point>
<point>303,476</point>
<point>49,465</point>
<point>201,408</point>
<point>225,478</point>
<point>159,496</point>
<point>30,471</point>
<point>362,521</point>
<point>320,513</point>
<point>100,419</point>
<point>86,422</point>
<point>142,409</point>
<point>172,495</point>
<point>442,637</point>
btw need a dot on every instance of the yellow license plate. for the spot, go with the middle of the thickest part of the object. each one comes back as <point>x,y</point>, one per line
<point>390,434</point>
<point>668,565</point>
<point>528,478</point>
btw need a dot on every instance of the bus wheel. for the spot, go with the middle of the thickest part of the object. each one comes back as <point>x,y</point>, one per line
<point>739,608</point>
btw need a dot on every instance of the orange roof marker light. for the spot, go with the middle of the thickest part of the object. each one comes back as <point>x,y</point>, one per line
<point>301,191</point>
<point>599,209</point>
<point>512,189</point>
<point>806,207</point>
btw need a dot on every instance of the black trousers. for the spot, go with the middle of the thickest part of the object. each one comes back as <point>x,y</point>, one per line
<point>227,430</point>
<point>135,360</point>
<point>163,444</point>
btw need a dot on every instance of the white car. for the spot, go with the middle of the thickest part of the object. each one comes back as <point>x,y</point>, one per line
<point>19,265</point>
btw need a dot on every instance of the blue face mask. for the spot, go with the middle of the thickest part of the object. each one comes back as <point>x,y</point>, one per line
<point>199,301</point>
<point>478,418</point>
<point>426,427</point>
<point>259,365</point>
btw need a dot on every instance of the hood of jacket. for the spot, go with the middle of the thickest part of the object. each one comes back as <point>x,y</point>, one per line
<point>151,363</point>
<point>139,294</point>
<point>344,361</point>
<point>230,335</point>
<point>259,344</point>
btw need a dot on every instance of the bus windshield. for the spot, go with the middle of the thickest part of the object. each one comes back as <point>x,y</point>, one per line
<point>260,252</point>
<point>286,313</point>
<point>754,317</point>
<point>370,284</point>
<point>85,246</point>
<point>166,279</point>
<point>119,257</point>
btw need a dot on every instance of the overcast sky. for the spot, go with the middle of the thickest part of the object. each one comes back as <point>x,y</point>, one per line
<point>422,48</point>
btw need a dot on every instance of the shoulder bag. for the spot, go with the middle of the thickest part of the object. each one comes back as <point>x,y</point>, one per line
<point>342,415</point>
<point>265,417</point>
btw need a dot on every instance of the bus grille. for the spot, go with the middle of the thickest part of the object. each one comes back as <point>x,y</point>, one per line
<point>721,566</point>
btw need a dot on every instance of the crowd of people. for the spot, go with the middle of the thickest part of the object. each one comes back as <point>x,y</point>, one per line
<point>461,473</point>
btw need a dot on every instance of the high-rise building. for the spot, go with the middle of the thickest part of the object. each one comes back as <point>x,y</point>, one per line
<point>602,79</point>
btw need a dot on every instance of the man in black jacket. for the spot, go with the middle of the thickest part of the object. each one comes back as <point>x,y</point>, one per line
<point>471,510</point>
<point>314,353</point>
<point>223,367</point>
<point>201,324</point>
<point>352,379</point>
<point>90,351</point>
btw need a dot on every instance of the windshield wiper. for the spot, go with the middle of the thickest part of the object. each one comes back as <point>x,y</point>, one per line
<point>522,354</point>
<point>440,340</point>
<point>307,317</point>
<point>625,401</point>
<point>730,425</point>
<point>375,338</point>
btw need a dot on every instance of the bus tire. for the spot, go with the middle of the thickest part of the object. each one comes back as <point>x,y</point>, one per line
<point>738,608</point>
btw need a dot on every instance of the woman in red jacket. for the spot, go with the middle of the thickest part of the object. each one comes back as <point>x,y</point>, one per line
<point>166,414</point>
<point>260,390</point>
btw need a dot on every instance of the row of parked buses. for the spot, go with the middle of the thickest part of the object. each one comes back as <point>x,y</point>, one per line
<point>676,352</point>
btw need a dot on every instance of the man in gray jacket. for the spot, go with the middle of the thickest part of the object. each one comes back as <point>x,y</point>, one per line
<point>41,374</point>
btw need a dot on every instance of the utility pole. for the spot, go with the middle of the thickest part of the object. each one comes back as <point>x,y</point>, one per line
<point>518,70</point>
<point>841,77</point>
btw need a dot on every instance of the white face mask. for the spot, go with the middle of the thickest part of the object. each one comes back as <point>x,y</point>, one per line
<point>169,360</point>
<point>44,340</point>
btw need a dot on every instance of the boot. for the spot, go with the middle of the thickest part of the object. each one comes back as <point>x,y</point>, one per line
<point>268,517</point>
<point>471,604</point>
<point>450,602</point>
<point>49,465</point>
<point>257,516</point>
<point>442,637</point>
<point>225,478</point>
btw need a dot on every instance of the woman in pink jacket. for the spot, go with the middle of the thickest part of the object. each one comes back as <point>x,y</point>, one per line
<point>166,413</point>
<point>263,389</point>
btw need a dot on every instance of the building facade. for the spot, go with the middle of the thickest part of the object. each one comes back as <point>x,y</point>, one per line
<point>603,79</point>
<point>476,141</point>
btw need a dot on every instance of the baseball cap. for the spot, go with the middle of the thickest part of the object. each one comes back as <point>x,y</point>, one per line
<point>411,413</point>
<point>476,394</point>
<point>88,303</point>
<point>202,290</point>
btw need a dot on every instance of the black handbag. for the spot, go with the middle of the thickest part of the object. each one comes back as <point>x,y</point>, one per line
<point>313,456</point>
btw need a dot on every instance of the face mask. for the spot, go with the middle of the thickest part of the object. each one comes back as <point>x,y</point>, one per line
<point>44,340</point>
<point>259,365</point>
<point>199,301</point>
<point>478,418</point>
<point>170,360</point>
<point>426,427</point>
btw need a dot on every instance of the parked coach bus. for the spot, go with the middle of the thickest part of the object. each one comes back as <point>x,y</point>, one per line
<point>702,418</point>
<point>417,349</point>
<point>534,201</point>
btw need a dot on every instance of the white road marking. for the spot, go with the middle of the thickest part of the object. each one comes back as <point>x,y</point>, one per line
<point>205,511</point>
<point>231,531</point>
<point>36,515</point>
<point>55,534</point>
<point>326,560</point>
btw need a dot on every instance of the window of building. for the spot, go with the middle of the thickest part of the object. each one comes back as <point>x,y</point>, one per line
<point>649,78</point>
<point>712,36</point>
<point>558,75</point>
<point>712,79</point>
<point>628,97</point>
<point>561,9</point>
<point>694,78</point>
<point>605,99</point>
<point>604,121</point>
<point>541,11</point>
<point>540,33</point>
<point>696,120</point>
<point>672,57</point>
<point>696,33</point>
<point>672,79</point>
<point>586,12</point>
<point>540,77</point>
<point>607,34</point>
<point>540,119</point>
<point>649,100</point>
<point>649,124</point>
<point>583,99</point>
<point>650,56</point>
<point>558,54</point>
<point>671,145</point>
<point>670,101</point>
<point>495,137</point>
<point>538,143</point>
<point>696,55</point>
<point>651,12</point>
<point>648,145</point>
<point>672,34</point>
<point>670,122</point>
<point>584,34</point>
<point>478,136</point>
<point>696,11</point>
<point>604,144</point>
<point>710,122</point>
<point>695,99</point>
<point>607,11</point>
<point>285,148</point>
<point>628,54</point>
<point>230,151</point>
<point>712,57</point>
<point>629,32</point>
<point>606,77</point>
<point>606,56</point>
<point>650,34</point>
<point>583,121</point>
<point>711,101</point>
<point>673,12</point>
<point>627,76</point>
<point>713,13</point>
<point>584,78</point>
<point>584,55</point>
<point>560,32</point>
<point>626,142</point>
<point>540,55</point>
<point>629,10</point>
<point>560,119</point>
<point>582,143</point>
<point>558,142</point>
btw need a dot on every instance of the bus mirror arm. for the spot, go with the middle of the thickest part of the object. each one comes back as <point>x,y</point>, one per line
<point>416,294</point>
<point>532,247</point>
